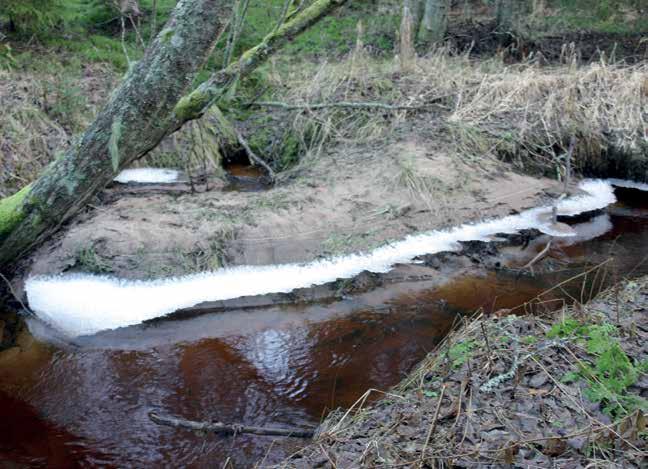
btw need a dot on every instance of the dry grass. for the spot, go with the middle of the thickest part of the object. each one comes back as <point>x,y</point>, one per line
<point>477,109</point>
<point>526,112</point>
<point>44,109</point>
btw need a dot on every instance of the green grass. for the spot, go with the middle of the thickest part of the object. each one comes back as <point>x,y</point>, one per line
<point>461,352</point>
<point>91,30</point>
<point>604,16</point>
<point>89,261</point>
<point>610,373</point>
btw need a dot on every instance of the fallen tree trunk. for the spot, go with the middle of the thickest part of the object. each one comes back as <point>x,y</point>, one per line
<point>148,106</point>
<point>234,429</point>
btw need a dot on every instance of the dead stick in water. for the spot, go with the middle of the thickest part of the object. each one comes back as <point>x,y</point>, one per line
<point>253,157</point>
<point>218,427</point>
<point>540,255</point>
<point>570,153</point>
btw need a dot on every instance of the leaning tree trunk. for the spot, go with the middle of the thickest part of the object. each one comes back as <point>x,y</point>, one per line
<point>435,21</point>
<point>148,106</point>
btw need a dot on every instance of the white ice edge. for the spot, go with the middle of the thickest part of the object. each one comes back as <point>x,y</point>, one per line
<point>642,186</point>
<point>148,176</point>
<point>78,304</point>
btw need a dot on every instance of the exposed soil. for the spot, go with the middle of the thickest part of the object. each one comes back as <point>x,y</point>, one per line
<point>350,199</point>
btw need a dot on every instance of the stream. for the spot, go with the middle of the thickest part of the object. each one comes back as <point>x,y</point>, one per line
<point>86,402</point>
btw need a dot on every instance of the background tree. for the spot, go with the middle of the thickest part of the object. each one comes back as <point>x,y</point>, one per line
<point>434,24</point>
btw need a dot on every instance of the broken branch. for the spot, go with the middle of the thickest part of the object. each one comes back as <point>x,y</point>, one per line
<point>234,429</point>
<point>344,104</point>
<point>253,156</point>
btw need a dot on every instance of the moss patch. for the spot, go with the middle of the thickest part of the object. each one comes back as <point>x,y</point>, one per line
<point>10,210</point>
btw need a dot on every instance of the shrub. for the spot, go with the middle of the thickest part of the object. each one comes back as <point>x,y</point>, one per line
<point>31,15</point>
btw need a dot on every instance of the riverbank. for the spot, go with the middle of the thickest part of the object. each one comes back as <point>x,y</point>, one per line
<point>471,140</point>
<point>566,389</point>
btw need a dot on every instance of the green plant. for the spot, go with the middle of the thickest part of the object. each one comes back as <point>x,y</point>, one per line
<point>460,352</point>
<point>610,372</point>
<point>88,259</point>
<point>31,15</point>
<point>7,60</point>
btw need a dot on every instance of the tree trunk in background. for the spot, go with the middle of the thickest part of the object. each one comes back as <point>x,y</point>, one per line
<point>435,21</point>
<point>407,53</point>
<point>505,14</point>
<point>145,108</point>
<point>416,8</point>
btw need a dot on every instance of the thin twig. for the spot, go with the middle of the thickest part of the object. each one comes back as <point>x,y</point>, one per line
<point>347,104</point>
<point>540,255</point>
<point>432,426</point>
<point>154,22</point>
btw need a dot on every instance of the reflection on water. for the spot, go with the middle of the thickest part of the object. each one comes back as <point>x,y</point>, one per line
<point>88,403</point>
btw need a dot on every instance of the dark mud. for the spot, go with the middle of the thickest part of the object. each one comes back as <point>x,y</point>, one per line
<point>483,39</point>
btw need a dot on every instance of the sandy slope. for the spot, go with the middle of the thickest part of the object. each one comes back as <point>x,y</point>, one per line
<point>350,199</point>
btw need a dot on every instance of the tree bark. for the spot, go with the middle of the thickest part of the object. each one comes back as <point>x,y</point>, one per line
<point>435,21</point>
<point>505,14</point>
<point>148,106</point>
<point>416,8</point>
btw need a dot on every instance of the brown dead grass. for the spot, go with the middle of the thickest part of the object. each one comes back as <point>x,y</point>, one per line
<point>526,112</point>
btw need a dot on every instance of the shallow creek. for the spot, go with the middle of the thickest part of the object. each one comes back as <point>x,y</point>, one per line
<point>86,402</point>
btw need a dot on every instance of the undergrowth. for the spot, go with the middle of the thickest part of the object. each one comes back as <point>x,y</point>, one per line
<point>610,372</point>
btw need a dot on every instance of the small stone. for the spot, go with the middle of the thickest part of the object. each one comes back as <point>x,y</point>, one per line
<point>538,380</point>
<point>577,443</point>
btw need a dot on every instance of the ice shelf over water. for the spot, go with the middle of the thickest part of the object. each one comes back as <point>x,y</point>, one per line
<point>148,176</point>
<point>78,304</point>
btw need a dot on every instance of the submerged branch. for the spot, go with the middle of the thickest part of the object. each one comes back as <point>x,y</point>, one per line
<point>234,429</point>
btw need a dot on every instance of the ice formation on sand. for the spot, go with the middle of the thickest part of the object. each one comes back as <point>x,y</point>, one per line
<point>85,304</point>
<point>148,176</point>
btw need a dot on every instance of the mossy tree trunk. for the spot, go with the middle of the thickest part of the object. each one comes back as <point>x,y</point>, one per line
<point>435,21</point>
<point>145,108</point>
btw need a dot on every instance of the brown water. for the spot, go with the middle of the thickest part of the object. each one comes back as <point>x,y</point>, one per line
<point>87,404</point>
<point>244,177</point>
